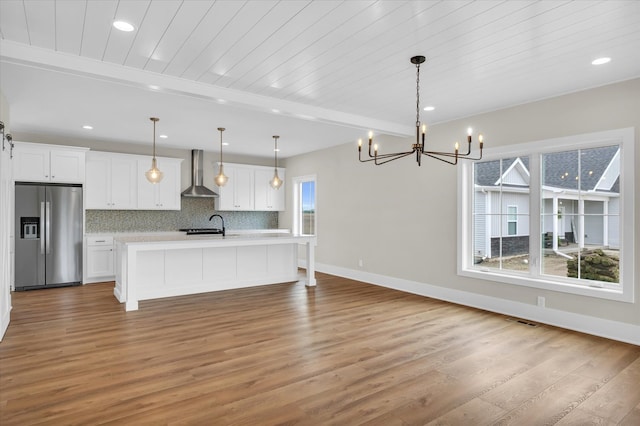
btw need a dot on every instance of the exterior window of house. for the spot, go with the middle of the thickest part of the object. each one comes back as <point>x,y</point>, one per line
<point>304,221</point>
<point>500,204</point>
<point>555,214</point>
<point>512,220</point>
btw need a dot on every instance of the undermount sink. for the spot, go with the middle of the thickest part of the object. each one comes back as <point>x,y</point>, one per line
<point>202,231</point>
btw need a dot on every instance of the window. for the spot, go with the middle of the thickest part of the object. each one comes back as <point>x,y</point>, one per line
<point>512,220</point>
<point>555,214</point>
<point>304,199</point>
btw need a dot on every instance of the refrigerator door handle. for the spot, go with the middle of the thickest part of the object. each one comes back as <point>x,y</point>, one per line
<point>48,227</point>
<point>42,227</point>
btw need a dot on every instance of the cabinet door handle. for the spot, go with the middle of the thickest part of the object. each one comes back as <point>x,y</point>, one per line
<point>101,241</point>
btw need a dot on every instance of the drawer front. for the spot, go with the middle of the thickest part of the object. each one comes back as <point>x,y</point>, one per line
<point>100,241</point>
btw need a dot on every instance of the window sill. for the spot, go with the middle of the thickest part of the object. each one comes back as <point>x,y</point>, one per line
<point>541,283</point>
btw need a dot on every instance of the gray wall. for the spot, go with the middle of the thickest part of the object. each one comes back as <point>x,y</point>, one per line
<point>401,219</point>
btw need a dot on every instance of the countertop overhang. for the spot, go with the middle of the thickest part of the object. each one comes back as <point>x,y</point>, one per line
<point>177,240</point>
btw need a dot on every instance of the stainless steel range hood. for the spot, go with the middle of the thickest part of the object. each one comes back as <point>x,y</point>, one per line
<point>197,188</point>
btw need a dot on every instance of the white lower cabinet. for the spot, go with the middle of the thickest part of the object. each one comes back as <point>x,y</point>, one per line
<point>100,259</point>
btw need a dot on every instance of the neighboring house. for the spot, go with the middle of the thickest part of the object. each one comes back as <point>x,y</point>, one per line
<point>580,202</point>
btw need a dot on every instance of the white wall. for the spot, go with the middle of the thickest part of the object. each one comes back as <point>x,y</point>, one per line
<point>6,214</point>
<point>401,219</point>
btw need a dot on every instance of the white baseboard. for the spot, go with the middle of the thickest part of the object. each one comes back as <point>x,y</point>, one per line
<point>615,330</point>
<point>4,322</point>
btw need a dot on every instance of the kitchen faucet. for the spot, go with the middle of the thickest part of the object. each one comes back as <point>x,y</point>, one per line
<point>222,219</point>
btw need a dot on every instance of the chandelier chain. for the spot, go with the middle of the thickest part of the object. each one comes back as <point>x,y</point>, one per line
<point>417,95</point>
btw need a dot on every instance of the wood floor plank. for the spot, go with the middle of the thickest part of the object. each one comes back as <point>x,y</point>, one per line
<point>617,397</point>
<point>342,353</point>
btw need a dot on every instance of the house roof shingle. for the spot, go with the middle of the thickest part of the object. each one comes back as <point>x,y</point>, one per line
<point>560,169</point>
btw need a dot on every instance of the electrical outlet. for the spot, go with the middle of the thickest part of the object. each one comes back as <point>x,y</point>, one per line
<point>360,263</point>
<point>541,301</point>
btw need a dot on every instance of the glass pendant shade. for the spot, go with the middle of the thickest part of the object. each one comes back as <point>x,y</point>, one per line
<point>154,175</point>
<point>276,182</point>
<point>221,179</point>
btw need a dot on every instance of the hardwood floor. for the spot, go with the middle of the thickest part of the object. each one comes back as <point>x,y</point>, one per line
<point>343,353</point>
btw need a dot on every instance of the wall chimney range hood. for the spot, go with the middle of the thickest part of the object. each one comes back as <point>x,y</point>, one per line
<point>197,188</point>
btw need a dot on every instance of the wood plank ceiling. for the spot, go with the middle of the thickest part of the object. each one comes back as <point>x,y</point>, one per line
<point>337,67</point>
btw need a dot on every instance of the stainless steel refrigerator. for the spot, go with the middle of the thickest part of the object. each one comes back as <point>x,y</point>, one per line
<point>48,235</point>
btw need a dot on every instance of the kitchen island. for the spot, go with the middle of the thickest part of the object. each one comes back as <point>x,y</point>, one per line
<point>156,266</point>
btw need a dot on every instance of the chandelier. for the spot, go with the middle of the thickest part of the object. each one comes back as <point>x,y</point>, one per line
<point>154,175</point>
<point>419,147</point>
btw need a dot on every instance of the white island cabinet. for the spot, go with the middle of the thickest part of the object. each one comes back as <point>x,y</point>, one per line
<point>152,267</point>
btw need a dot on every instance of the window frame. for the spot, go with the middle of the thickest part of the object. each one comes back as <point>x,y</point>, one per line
<point>624,290</point>
<point>297,204</point>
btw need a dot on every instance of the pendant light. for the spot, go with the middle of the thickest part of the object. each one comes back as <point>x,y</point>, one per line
<point>276,182</point>
<point>154,175</point>
<point>221,179</point>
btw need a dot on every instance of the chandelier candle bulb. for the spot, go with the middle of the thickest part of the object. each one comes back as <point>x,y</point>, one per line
<point>480,139</point>
<point>469,133</point>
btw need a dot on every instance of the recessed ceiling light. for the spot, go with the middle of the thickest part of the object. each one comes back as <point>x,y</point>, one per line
<point>154,87</point>
<point>276,149</point>
<point>277,111</point>
<point>601,61</point>
<point>164,136</point>
<point>123,26</point>
<point>87,127</point>
<point>429,108</point>
<point>225,143</point>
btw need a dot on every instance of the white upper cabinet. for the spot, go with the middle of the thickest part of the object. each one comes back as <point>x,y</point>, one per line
<point>267,198</point>
<point>117,182</point>
<point>237,194</point>
<point>111,181</point>
<point>248,189</point>
<point>34,162</point>
<point>164,195</point>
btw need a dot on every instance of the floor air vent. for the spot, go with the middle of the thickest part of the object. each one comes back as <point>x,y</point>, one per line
<point>523,322</point>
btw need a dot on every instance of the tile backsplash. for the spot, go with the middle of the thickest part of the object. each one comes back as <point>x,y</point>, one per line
<point>195,213</point>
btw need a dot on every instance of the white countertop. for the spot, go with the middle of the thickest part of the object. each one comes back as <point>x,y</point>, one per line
<point>173,240</point>
<point>181,236</point>
<point>229,232</point>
